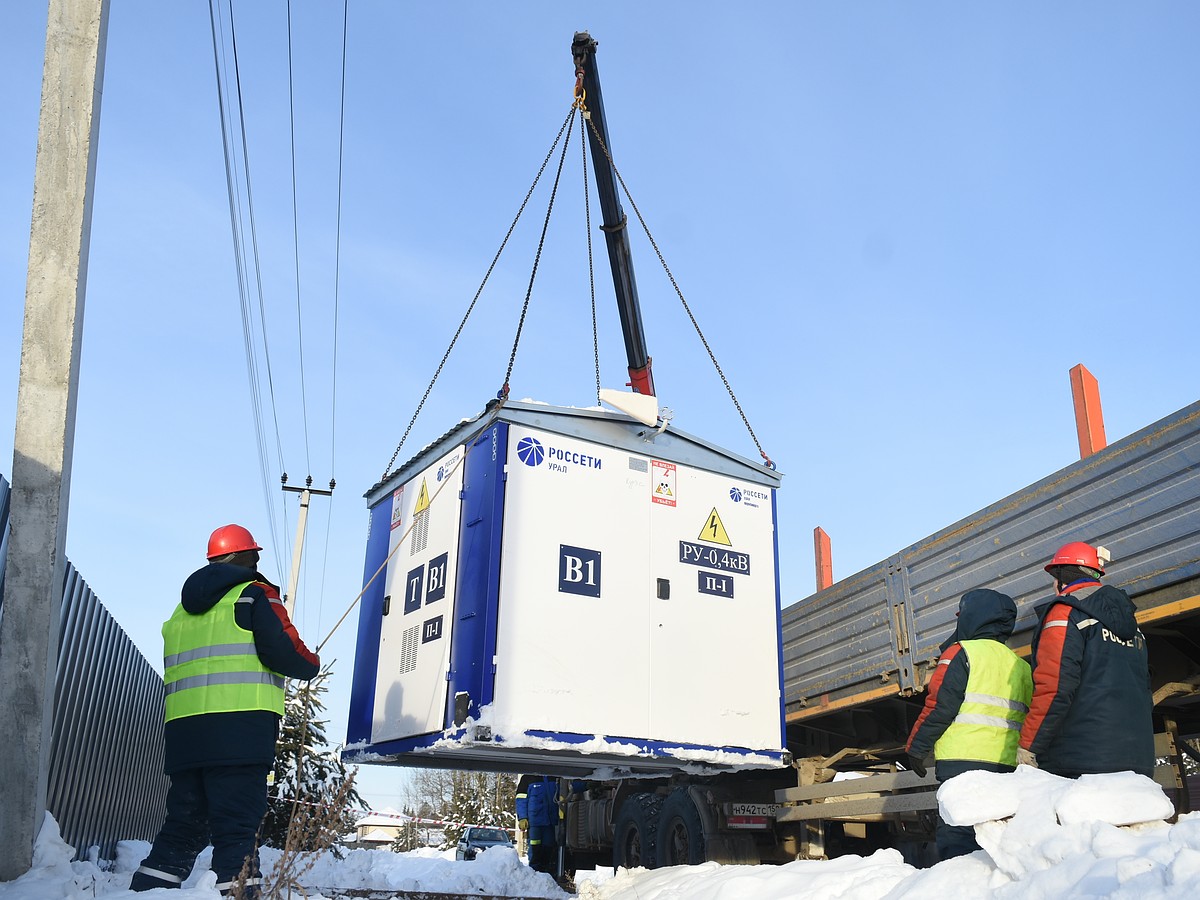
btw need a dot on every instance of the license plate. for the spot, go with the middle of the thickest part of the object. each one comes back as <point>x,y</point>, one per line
<point>755,810</point>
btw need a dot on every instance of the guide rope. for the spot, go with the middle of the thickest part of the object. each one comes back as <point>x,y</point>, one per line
<point>432,499</point>
<point>566,123</point>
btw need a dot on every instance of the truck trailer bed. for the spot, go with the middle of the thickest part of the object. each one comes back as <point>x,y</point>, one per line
<point>877,634</point>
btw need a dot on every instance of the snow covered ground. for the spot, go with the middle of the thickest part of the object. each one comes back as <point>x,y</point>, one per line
<point>1043,837</point>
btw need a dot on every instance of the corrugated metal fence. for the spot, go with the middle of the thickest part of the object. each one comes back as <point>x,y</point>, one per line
<point>106,746</point>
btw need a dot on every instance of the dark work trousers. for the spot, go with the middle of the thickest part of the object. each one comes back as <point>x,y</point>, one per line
<point>224,804</point>
<point>955,840</point>
<point>959,840</point>
<point>543,849</point>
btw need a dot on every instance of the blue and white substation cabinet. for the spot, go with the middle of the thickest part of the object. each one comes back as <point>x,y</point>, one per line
<point>567,591</point>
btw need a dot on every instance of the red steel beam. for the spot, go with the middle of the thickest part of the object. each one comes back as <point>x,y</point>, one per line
<point>824,558</point>
<point>1089,416</point>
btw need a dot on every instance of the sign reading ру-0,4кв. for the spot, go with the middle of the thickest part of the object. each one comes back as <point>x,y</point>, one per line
<point>551,573</point>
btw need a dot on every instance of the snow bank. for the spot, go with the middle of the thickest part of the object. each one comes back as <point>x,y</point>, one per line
<point>1042,837</point>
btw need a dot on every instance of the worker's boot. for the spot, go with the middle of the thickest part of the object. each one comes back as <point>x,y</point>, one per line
<point>241,888</point>
<point>148,877</point>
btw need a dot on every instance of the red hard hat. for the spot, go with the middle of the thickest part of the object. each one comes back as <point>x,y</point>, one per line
<point>1077,553</point>
<point>230,539</point>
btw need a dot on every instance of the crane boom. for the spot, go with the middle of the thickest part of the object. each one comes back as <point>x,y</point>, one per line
<point>583,50</point>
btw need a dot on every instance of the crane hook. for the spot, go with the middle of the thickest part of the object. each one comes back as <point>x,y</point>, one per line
<point>580,93</point>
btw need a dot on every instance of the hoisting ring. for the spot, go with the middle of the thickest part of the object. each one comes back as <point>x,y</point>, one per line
<point>580,93</point>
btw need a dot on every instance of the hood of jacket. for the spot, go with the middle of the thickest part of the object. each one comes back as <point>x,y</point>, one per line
<point>1109,606</point>
<point>205,587</point>
<point>984,614</point>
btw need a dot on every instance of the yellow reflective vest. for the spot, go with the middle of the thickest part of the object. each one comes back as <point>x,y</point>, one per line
<point>988,725</point>
<point>210,664</point>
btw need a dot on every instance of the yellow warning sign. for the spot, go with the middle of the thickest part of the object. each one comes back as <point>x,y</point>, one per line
<point>714,530</point>
<point>423,499</point>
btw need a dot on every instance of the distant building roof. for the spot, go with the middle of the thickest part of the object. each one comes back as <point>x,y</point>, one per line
<point>386,819</point>
<point>378,836</point>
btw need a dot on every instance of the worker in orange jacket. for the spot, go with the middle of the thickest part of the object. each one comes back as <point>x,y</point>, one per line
<point>1092,706</point>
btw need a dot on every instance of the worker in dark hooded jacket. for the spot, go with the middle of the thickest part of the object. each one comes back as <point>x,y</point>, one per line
<point>1092,704</point>
<point>976,702</point>
<point>227,649</point>
<point>539,814</point>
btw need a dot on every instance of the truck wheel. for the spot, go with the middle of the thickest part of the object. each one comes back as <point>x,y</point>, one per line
<point>635,832</point>
<point>680,834</point>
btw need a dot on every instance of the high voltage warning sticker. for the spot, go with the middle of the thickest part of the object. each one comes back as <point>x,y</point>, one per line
<point>423,499</point>
<point>397,507</point>
<point>714,530</point>
<point>662,483</point>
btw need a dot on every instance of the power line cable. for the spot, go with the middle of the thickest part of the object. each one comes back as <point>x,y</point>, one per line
<point>238,255</point>
<point>281,556</point>
<point>337,249</point>
<point>228,106</point>
<point>337,281</point>
<point>296,238</point>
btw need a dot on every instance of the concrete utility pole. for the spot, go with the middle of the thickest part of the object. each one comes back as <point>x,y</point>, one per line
<point>306,492</point>
<point>41,474</point>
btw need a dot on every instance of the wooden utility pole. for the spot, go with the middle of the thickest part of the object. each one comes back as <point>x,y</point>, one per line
<point>45,429</point>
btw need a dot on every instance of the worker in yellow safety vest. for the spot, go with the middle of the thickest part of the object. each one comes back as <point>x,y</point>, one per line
<point>227,649</point>
<point>976,702</point>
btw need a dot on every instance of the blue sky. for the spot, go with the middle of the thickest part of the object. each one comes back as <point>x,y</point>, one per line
<point>899,225</point>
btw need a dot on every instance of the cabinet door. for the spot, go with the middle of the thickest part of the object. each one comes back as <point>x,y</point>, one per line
<point>573,641</point>
<point>714,645</point>
<point>414,640</point>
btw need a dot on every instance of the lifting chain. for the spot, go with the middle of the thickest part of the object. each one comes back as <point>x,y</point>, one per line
<point>495,259</point>
<point>587,221</point>
<point>696,325</point>
<point>537,257</point>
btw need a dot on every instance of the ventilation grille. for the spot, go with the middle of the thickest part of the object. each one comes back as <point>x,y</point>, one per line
<point>420,534</point>
<point>409,642</point>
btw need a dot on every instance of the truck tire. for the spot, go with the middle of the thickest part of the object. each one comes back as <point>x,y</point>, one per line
<point>635,832</point>
<point>680,833</point>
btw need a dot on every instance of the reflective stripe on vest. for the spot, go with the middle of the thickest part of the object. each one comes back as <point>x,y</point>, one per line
<point>211,666</point>
<point>988,725</point>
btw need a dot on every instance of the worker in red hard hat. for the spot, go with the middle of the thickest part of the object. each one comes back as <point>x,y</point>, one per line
<point>1092,707</point>
<point>974,706</point>
<point>227,649</point>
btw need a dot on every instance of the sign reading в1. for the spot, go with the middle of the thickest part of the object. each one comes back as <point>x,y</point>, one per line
<point>578,571</point>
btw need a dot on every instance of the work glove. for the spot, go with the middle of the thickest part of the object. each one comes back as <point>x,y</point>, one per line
<point>524,823</point>
<point>917,764</point>
<point>1026,758</point>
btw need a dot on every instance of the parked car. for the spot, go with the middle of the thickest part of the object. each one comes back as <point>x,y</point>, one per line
<point>475,839</point>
